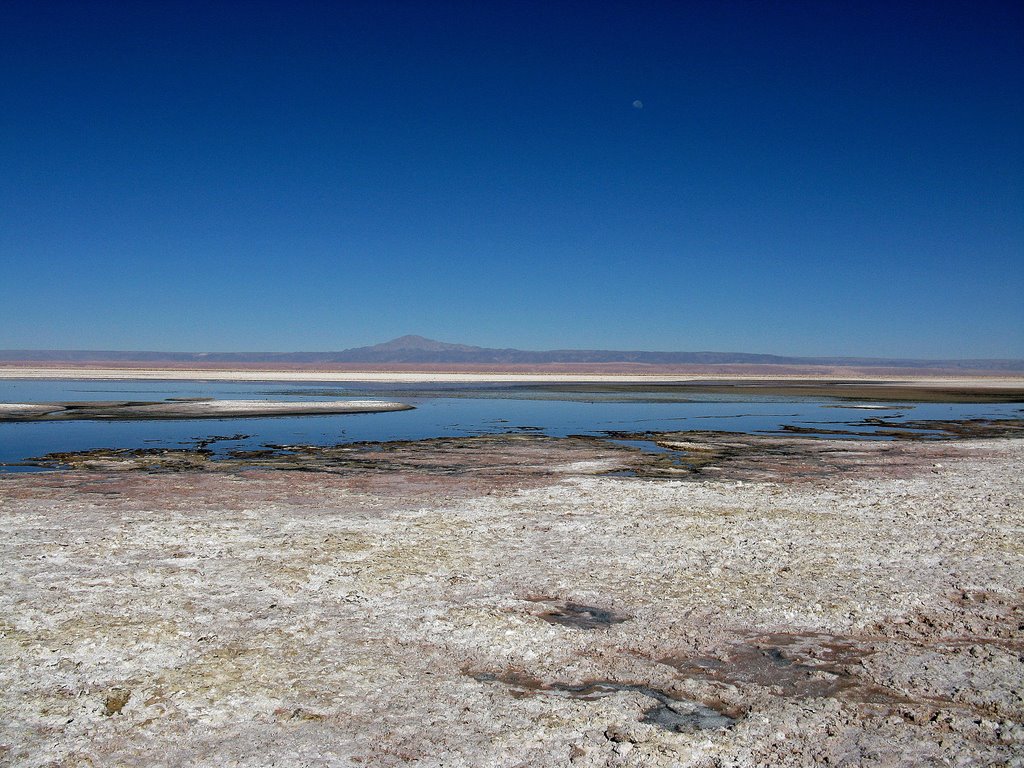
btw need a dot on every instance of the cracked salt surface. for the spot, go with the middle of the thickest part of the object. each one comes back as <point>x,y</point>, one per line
<point>313,619</point>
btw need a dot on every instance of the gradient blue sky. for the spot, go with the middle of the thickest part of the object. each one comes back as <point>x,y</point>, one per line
<point>802,178</point>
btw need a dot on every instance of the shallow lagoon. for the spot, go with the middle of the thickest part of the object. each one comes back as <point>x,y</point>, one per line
<point>441,410</point>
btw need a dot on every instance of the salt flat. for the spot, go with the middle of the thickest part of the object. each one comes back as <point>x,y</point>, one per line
<point>457,376</point>
<point>500,601</point>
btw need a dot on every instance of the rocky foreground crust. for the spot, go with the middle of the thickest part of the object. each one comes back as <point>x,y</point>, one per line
<point>505,601</point>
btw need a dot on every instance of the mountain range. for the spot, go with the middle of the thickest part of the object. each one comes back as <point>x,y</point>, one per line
<point>417,349</point>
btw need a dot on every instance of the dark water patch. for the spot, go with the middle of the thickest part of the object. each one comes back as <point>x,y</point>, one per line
<point>579,616</point>
<point>793,666</point>
<point>668,712</point>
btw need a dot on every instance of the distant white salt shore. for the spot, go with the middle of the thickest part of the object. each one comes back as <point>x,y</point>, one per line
<point>188,409</point>
<point>466,377</point>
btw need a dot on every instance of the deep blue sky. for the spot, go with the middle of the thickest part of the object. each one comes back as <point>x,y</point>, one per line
<point>802,178</point>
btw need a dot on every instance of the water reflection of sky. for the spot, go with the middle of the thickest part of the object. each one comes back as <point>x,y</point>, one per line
<point>440,411</point>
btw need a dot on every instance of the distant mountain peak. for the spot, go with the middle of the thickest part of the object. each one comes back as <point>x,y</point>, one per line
<point>414,343</point>
<point>409,341</point>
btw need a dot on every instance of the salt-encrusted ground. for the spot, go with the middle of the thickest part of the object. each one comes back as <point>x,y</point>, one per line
<point>527,613</point>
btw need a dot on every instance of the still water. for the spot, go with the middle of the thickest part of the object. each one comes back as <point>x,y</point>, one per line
<point>441,410</point>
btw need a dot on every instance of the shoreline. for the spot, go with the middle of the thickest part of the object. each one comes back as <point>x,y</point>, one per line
<point>846,387</point>
<point>460,377</point>
<point>189,409</point>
